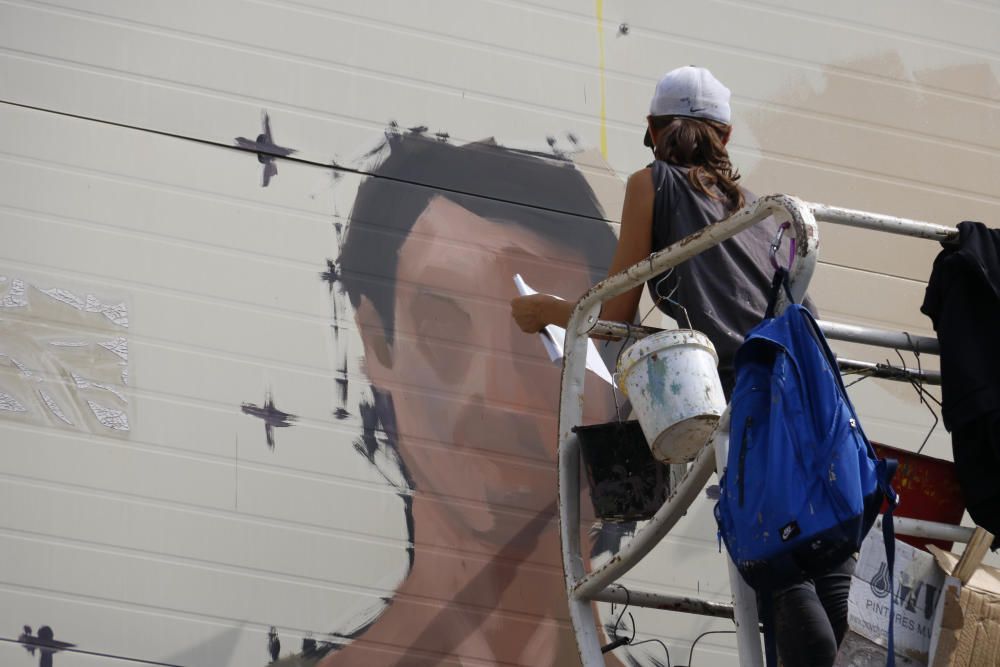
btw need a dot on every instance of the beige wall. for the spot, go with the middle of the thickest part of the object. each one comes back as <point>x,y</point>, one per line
<point>185,537</point>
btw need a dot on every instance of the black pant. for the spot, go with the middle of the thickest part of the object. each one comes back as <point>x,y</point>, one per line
<point>810,618</point>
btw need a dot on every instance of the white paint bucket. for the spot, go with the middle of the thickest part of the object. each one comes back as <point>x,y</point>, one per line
<point>672,380</point>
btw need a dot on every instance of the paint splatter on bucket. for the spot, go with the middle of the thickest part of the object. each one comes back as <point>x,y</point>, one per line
<point>672,380</point>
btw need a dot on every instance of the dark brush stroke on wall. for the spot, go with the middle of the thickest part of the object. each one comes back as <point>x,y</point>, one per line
<point>314,650</point>
<point>266,150</point>
<point>379,416</point>
<point>272,416</point>
<point>342,382</point>
<point>365,161</point>
<point>273,644</point>
<point>44,642</point>
<point>331,276</point>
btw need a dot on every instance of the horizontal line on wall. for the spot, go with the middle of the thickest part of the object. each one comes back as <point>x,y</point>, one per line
<point>80,651</point>
<point>799,12</point>
<point>288,158</point>
<point>132,181</point>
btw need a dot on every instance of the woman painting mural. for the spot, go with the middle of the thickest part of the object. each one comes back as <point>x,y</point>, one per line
<point>690,185</point>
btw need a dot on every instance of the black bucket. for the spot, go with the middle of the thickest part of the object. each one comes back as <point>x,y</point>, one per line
<point>626,482</point>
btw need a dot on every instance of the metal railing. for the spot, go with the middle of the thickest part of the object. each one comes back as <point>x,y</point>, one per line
<point>583,587</point>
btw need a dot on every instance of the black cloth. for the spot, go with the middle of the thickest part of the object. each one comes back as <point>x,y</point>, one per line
<point>963,302</point>
<point>976,447</point>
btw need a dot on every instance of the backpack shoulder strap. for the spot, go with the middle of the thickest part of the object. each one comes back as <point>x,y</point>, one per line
<point>885,469</point>
<point>779,281</point>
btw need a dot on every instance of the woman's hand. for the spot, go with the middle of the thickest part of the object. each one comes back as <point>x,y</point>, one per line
<point>533,312</point>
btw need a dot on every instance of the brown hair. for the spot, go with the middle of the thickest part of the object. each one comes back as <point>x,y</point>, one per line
<point>699,145</point>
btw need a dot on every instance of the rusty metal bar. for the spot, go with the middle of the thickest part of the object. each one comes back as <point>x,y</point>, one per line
<point>620,595</point>
<point>851,333</point>
<point>931,530</point>
<point>883,223</point>
<point>899,340</point>
<point>889,372</point>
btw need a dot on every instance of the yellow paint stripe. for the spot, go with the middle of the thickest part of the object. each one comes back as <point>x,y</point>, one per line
<point>600,65</point>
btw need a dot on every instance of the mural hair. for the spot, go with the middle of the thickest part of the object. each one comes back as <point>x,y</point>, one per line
<point>523,189</point>
<point>526,190</point>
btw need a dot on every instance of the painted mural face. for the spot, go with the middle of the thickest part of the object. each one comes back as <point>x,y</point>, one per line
<point>471,401</point>
<point>462,376</point>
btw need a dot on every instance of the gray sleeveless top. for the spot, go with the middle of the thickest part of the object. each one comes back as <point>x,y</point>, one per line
<point>724,289</point>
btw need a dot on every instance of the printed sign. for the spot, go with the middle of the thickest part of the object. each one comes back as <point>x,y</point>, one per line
<point>916,589</point>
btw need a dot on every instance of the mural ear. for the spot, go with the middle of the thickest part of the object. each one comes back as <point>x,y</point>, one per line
<point>373,336</point>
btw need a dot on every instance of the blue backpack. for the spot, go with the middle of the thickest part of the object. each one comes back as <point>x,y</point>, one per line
<point>802,485</point>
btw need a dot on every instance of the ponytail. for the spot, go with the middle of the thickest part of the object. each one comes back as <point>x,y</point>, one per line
<point>699,145</point>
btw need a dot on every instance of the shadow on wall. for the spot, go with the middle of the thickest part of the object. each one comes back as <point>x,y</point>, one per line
<point>863,109</point>
<point>909,170</point>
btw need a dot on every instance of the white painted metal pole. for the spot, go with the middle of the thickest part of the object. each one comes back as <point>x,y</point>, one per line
<point>581,612</point>
<point>853,333</point>
<point>882,223</point>
<point>744,597</point>
<point>617,594</point>
<point>899,340</point>
<point>929,529</point>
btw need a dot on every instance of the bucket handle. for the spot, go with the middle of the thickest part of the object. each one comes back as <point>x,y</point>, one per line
<point>669,298</point>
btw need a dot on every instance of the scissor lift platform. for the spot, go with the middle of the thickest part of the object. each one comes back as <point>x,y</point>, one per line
<point>584,587</point>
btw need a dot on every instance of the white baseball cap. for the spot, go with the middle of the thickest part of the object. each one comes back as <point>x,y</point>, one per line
<point>692,92</point>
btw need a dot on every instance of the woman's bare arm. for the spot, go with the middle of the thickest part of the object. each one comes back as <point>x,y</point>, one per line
<point>635,239</point>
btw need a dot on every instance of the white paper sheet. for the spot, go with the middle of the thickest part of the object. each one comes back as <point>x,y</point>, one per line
<point>553,338</point>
